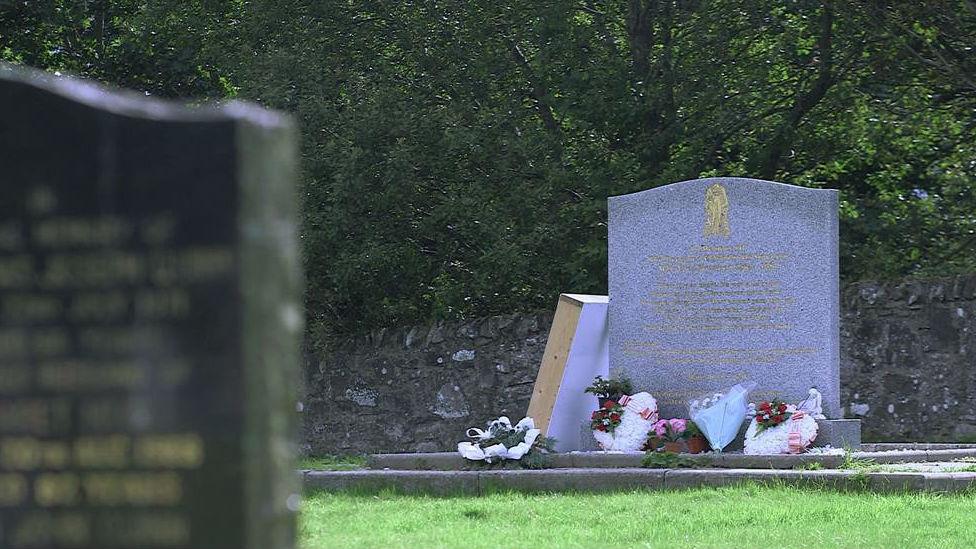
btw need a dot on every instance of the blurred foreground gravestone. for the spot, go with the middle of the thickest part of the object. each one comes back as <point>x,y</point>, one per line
<point>150,319</point>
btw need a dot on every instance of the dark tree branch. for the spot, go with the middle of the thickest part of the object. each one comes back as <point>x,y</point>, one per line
<point>639,21</point>
<point>771,158</point>
<point>538,92</point>
<point>600,20</point>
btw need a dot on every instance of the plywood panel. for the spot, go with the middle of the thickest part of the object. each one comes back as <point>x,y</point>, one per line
<point>550,375</point>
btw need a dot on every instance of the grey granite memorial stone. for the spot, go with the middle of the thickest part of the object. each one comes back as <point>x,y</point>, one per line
<point>151,319</point>
<point>719,281</point>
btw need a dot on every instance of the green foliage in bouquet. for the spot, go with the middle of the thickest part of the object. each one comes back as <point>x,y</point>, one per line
<point>539,456</point>
<point>608,388</point>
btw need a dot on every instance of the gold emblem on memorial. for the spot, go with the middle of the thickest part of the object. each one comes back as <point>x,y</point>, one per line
<point>716,211</point>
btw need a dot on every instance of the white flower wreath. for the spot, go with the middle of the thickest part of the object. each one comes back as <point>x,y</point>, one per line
<point>475,451</point>
<point>640,414</point>
<point>776,440</point>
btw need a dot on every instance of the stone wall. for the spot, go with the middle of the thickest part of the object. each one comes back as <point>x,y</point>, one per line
<point>908,358</point>
<point>908,370</point>
<point>419,388</point>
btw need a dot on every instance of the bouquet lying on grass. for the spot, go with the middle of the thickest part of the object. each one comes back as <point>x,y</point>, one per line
<point>503,441</point>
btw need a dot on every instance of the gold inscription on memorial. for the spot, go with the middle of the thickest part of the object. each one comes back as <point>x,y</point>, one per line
<point>14,378</point>
<point>11,236</point>
<point>718,259</point>
<point>60,232</point>
<point>13,489</point>
<point>91,331</point>
<point>35,416</point>
<point>714,356</point>
<point>709,296</point>
<point>87,375</point>
<point>47,529</point>
<point>750,304</point>
<point>57,489</point>
<point>145,529</point>
<point>102,452</point>
<point>159,488</point>
<point>16,272</point>
<point>177,451</point>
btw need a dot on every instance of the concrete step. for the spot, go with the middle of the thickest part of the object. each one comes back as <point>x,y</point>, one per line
<point>475,483</point>
<point>451,461</point>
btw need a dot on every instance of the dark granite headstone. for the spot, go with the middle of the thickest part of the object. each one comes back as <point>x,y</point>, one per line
<point>150,320</point>
<point>718,281</point>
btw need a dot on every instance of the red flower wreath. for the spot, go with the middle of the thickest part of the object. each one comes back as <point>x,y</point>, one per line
<point>607,417</point>
<point>770,413</point>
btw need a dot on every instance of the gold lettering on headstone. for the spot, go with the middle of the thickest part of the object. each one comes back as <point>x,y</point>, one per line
<point>49,342</point>
<point>171,303</point>
<point>56,489</point>
<point>65,232</point>
<point>55,454</point>
<point>80,375</point>
<point>144,529</point>
<point>29,308</point>
<point>41,200</point>
<point>11,236</point>
<point>20,454</point>
<point>45,529</point>
<point>92,269</point>
<point>14,378</point>
<point>106,451</point>
<point>90,336</point>
<point>176,451</point>
<point>13,489</point>
<point>131,488</point>
<point>98,306</point>
<point>26,416</point>
<point>102,413</point>
<point>158,229</point>
<point>16,272</point>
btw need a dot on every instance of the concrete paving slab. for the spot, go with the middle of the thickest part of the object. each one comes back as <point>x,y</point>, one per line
<point>885,446</point>
<point>623,479</point>
<point>451,461</point>
<point>950,482</point>
<point>572,480</point>
<point>403,482</point>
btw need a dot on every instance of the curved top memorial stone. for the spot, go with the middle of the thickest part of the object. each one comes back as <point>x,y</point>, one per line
<point>723,280</point>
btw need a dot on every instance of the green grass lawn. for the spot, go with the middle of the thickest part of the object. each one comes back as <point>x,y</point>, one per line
<point>332,463</point>
<point>742,516</point>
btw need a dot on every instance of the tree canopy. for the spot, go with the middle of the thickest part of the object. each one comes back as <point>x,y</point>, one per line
<point>457,155</point>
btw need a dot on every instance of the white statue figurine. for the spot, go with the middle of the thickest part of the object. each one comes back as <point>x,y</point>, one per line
<point>813,404</point>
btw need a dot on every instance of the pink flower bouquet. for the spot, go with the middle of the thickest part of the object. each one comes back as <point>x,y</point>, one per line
<point>671,430</point>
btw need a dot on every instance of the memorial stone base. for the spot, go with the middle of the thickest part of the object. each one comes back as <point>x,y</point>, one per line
<point>836,433</point>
